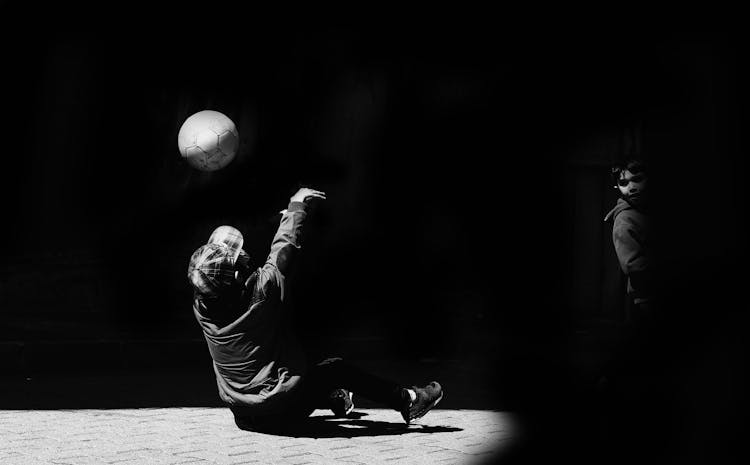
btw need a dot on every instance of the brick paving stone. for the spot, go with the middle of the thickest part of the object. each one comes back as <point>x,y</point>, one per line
<point>23,461</point>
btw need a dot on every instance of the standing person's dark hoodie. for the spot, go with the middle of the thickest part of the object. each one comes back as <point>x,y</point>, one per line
<point>630,233</point>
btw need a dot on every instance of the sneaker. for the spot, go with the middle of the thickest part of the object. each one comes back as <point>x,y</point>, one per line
<point>341,402</point>
<point>427,398</point>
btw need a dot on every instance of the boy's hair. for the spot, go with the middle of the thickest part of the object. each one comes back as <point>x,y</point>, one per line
<point>633,165</point>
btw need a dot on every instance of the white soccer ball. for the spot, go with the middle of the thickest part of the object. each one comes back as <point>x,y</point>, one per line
<point>208,140</point>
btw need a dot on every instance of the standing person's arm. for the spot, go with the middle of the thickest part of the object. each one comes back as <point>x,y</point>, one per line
<point>631,252</point>
<point>629,248</point>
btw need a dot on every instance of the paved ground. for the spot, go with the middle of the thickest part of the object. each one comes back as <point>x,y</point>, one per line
<point>207,435</point>
<point>175,417</point>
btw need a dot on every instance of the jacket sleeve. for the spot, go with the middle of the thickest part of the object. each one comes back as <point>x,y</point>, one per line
<point>630,249</point>
<point>284,246</point>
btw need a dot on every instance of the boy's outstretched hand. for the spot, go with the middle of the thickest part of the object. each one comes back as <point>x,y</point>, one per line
<point>305,194</point>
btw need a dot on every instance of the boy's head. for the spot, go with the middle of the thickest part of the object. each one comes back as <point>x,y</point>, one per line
<point>220,265</point>
<point>630,178</point>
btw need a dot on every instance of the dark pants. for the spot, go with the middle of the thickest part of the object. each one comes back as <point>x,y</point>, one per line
<point>313,392</point>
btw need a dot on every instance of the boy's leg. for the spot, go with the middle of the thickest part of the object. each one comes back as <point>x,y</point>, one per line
<point>334,373</point>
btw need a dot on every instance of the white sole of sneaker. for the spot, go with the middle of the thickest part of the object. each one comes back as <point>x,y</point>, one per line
<point>351,407</point>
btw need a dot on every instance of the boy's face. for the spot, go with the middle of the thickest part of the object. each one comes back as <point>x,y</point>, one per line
<point>633,187</point>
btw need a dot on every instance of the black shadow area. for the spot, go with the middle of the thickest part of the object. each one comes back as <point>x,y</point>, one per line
<point>466,386</point>
<point>328,426</point>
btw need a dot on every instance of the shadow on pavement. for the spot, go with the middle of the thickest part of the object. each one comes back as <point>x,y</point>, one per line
<point>328,426</point>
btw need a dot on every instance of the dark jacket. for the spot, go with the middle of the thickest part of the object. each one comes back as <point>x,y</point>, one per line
<point>630,235</point>
<point>256,360</point>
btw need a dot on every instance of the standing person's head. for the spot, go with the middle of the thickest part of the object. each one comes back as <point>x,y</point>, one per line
<point>220,267</point>
<point>631,180</point>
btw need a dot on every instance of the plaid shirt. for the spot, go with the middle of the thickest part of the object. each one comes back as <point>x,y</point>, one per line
<point>256,361</point>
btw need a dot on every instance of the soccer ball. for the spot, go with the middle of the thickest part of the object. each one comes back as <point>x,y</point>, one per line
<point>208,140</point>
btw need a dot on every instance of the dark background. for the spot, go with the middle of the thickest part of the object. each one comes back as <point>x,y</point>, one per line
<point>465,162</point>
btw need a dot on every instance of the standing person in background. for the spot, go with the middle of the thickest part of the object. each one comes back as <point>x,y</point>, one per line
<point>630,235</point>
<point>636,382</point>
